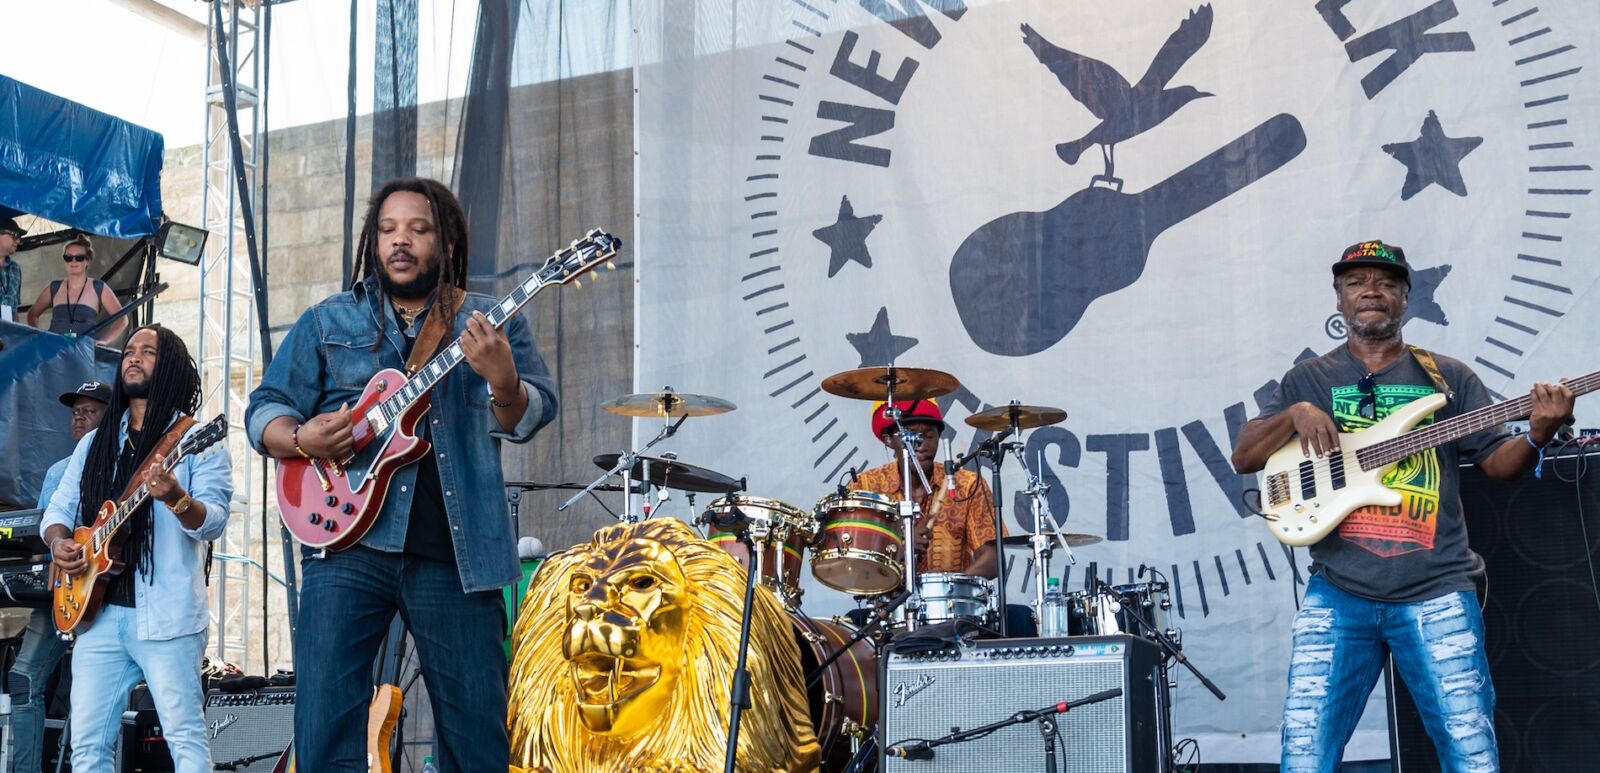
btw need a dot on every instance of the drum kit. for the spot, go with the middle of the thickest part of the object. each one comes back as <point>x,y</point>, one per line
<point>863,543</point>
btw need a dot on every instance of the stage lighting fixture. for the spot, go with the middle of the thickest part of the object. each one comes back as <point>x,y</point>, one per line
<point>183,243</point>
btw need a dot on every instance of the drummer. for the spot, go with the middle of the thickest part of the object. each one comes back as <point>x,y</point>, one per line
<point>956,531</point>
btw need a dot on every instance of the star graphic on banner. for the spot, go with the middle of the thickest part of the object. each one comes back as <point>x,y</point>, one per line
<point>1432,158</point>
<point>847,237</point>
<point>1421,305</point>
<point>879,346</point>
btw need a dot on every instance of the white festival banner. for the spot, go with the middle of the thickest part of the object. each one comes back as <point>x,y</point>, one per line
<point>1126,210</point>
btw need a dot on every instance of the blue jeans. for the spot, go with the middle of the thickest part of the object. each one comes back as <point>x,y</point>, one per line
<point>107,661</point>
<point>1340,641</point>
<point>36,660</point>
<point>348,600</point>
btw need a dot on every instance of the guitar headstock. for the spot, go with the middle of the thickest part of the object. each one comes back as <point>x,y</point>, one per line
<point>595,249</point>
<point>206,436</point>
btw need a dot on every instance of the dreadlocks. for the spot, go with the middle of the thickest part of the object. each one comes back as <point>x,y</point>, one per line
<point>449,219</point>
<point>173,389</point>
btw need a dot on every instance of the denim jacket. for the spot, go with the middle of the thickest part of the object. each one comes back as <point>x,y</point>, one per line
<point>171,602</point>
<point>326,360</point>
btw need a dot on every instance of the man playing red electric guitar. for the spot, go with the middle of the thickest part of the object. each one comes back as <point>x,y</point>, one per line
<point>442,545</point>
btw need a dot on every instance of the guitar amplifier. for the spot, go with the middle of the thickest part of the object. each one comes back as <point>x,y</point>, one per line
<point>928,696</point>
<point>245,726</point>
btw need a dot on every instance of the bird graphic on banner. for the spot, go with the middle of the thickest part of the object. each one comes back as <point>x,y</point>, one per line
<point>1125,110</point>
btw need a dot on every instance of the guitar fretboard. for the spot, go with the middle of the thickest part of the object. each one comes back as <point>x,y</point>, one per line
<point>1439,433</point>
<point>196,443</point>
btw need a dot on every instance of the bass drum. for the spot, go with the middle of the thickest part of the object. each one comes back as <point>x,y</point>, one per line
<point>844,702</point>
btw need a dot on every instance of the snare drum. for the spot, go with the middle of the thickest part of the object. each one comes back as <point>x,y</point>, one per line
<point>859,549</point>
<point>1106,613</point>
<point>780,532</point>
<point>951,596</point>
<point>844,702</point>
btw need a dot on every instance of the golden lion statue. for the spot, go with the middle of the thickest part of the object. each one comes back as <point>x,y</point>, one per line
<point>624,654</point>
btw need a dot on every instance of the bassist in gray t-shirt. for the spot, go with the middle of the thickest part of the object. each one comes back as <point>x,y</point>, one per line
<point>1390,579</point>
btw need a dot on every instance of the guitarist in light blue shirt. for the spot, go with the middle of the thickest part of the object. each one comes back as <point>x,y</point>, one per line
<point>1391,579</point>
<point>153,623</point>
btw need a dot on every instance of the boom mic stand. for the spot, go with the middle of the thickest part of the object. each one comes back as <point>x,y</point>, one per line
<point>1160,637</point>
<point>739,697</point>
<point>923,750</point>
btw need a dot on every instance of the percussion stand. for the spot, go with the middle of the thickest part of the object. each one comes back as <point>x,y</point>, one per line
<point>624,466</point>
<point>910,509</point>
<point>1043,523</point>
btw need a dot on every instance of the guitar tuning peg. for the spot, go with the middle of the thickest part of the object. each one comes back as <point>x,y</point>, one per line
<point>594,276</point>
<point>577,285</point>
<point>611,266</point>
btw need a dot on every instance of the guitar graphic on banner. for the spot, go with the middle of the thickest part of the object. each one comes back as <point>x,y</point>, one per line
<point>1305,498</point>
<point>331,503</point>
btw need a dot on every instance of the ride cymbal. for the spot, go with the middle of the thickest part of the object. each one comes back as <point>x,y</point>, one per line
<point>874,383</point>
<point>667,404</point>
<point>673,474</point>
<point>1073,540</point>
<point>1026,417</point>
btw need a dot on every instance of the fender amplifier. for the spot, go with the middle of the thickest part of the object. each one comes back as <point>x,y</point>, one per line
<point>927,696</point>
<point>249,729</point>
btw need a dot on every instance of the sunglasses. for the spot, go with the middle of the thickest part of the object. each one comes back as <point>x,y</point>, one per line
<point>75,258</point>
<point>1368,407</point>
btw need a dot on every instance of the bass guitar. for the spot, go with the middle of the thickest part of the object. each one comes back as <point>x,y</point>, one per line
<point>1305,498</point>
<point>331,503</point>
<point>76,599</point>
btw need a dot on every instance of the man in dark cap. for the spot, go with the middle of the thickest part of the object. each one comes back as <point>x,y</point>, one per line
<point>41,648</point>
<point>10,270</point>
<point>1397,580</point>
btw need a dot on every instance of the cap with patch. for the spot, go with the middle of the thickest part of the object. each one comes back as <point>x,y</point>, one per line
<point>10,224</point>
<point>94,390</point>
<point>1375,254</point>
<point>910,410</point>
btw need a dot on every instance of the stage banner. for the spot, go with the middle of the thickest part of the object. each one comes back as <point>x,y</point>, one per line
<point>1126,210</point>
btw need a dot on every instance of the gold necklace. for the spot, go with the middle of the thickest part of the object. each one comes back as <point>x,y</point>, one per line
<point>407,314</point>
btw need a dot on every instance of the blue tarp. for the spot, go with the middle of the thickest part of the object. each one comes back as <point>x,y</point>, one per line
<point>77,166</point>
<point>36,368</point>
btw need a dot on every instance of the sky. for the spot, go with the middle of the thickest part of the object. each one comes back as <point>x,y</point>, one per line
<point>116,61</point>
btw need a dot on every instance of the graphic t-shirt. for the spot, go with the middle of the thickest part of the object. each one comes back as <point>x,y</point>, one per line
<point>1416,550</point>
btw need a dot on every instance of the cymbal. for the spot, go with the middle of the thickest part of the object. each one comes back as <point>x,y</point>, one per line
<point>873,383</point>
<point>1073,540</point>
<point>1026,416</point>
<point>668,403</point>
<point>673,474</point>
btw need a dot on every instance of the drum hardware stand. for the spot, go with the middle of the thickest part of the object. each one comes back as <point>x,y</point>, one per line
<point>1037,492</point>
<point>624,466</point>
<point>923,750</point>
<point>910,508</point>
<point>1155,634</point>
<point>739,697</point>
<point>994,450</point>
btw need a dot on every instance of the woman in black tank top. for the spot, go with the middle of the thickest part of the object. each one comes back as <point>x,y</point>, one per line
<point>75,303</point>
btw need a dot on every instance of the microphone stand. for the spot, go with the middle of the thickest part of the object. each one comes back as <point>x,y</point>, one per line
<point>1159,636</point>
<point>993,450</point>
<point>739,696</point>
<point>923,750</point>
<point>879,617</point>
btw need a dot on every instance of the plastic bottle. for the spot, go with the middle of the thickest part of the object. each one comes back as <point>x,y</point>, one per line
<point>1053,615</point>
<point>428,766</point>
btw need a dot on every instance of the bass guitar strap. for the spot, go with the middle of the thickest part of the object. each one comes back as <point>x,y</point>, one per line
<point>433,329</point>
<point>1425,359</point>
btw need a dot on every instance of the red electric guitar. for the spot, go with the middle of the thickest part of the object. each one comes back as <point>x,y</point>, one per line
<point>331,504</point>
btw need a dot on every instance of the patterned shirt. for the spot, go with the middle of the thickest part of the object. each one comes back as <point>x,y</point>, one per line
<point>963,521</point>
<point>10,283</point>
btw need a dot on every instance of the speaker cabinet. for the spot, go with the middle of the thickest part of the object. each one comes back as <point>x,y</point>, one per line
<point>926,696</point>
<point>246,726</point>
<point>1541,614</point>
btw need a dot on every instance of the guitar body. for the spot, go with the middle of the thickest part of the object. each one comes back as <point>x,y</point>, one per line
<point>77,598</point>
<point>1306,498</point>
<point>382,718</point>
<point>329,505</point>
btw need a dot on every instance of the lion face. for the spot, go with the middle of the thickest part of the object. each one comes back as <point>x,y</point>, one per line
<point>625,635</point>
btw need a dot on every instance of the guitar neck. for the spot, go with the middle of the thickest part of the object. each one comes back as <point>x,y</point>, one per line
<point>1437,434</point>
<point>127,507</point>
<point>442,363</point>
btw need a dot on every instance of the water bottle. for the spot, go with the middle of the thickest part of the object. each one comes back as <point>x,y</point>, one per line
<point>428,766</point>
<point>1053,615</point>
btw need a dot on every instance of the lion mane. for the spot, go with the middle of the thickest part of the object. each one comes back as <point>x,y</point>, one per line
<point>689,733</point>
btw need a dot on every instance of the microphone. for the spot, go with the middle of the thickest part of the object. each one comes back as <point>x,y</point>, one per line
<point>911,751</point>
<point>844,488</point>
<point>949,468</point>
<point>1142,570</point>
<point>529,548</point>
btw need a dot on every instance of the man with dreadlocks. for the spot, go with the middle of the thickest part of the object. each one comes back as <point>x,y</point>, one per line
<point>153,622</point>
<point>442,546</point>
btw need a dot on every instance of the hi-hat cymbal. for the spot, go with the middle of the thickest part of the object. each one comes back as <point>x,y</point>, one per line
<point>673,474</point>
<point>665,404</point>
<point>1073,540</point>
<point>1025,416</point>
<point>874,383</point>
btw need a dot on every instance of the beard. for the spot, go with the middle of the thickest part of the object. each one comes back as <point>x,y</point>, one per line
<point>1386,330</point>
<point>136,390</point>
<point>420,287</point>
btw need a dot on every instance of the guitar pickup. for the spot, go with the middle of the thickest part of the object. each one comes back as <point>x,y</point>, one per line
<point>1308,480</point>
<point>378,423</point>
<point>1336,471</point>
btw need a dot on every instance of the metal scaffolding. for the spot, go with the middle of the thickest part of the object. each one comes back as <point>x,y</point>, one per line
<point>229,360</point>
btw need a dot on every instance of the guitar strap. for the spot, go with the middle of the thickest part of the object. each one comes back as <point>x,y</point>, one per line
<point>433,330</point>
<point>168,442</point>
<point>1425,359</point>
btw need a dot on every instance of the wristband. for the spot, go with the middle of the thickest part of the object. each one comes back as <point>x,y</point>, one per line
<point>294,437</point>
<point>1538,468</point>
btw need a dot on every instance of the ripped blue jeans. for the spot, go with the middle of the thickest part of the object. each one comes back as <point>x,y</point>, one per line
<point>1340,641</point>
